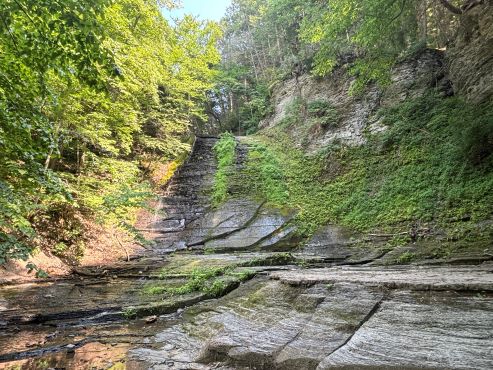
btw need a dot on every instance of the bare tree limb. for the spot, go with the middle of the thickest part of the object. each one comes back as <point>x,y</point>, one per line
<point>471,4</point>
<point>464,8</point>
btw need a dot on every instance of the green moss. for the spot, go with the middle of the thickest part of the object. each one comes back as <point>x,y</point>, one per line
<point>406,258</point>
<point>213,281</point>
<point>255,298</point>
<point>263,176</point>
<point>225,154</point>
<point>129,313</point>
<point>277,259</point>
<point>152,290</point>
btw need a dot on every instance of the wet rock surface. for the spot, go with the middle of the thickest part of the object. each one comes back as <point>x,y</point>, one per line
<point>269,324</point>
<point>231,288</point>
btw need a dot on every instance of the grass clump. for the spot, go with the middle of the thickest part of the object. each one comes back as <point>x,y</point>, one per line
<point>213,281</point>
<point>225,154</point>
<point>129,313</point>
<point>406,258</point>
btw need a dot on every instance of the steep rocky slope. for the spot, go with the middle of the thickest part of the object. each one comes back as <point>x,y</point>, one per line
<point>470,58</point>
<point>464,69</point>
<point>356,114</point>
<point>412,158</point>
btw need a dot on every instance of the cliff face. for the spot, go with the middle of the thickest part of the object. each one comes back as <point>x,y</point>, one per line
<point>355,114</point>
<point>470,59</point>
<point>465,69</point>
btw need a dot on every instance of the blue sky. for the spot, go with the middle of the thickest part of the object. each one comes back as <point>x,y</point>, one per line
<point>203,9</point>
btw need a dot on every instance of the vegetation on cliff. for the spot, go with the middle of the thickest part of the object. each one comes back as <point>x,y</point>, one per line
<point>97,99</point>
<point>419,176</point>
<point>266,42</point>
<point>427,171</point>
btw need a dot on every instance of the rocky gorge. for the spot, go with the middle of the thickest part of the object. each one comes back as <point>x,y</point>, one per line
<point>352,231</point>
<point>232,287</point>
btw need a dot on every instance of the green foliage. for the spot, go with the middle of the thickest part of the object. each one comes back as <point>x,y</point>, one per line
<point>406,258</point>
<point>225,154</point>
<point>111,191</point>
<point>322,113</point>
<point>39,273</point>
<point>86,86</point>
<point>277,259</point>
<point>420,170</point>
<point>238,101</point>
<point>378,30</point>
<point>293,113</point>
<point>279,39</point>
<point>129,313</point>
<point>263,176</point>
<point>213,281</point>
<point>309,118</point>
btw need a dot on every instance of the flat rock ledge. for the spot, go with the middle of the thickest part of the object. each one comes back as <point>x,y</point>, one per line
<point>470,278</point>
<point>337,318</point>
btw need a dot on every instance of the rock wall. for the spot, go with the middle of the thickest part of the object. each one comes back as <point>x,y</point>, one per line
<point>470,59</point>
<point>356,113</point>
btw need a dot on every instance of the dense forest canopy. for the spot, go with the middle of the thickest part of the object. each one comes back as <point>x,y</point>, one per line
<point>268,41</point>
<point>85,84</point>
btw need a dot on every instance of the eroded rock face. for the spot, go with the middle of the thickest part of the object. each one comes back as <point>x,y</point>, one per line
<point>416,331</point>
<point>356,114</point>
<point>264,226</point>
<point>405,277</point>
<point>265,325</point>
<point>470,59</point>
<point>232,216</point>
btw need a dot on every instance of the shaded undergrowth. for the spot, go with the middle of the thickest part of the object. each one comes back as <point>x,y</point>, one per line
<point>430,169</point>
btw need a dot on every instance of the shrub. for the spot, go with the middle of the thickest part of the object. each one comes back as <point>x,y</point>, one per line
<point>323,113</point>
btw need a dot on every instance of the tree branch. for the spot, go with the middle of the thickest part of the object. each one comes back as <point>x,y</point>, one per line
<point>400,12</point>
<point>468,5</point>
<point>471,4</point>
<point>10,33</point>
<point>451,7</point>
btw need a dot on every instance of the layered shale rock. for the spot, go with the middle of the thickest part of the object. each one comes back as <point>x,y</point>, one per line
<point>355,114</point>
<point>287,316</point>
<point>470,59</point>
<point>349,319</point>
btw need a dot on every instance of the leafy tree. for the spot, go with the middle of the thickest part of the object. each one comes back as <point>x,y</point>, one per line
<point>289,37</point>
<point>86,88</point>
<point>38,40</point>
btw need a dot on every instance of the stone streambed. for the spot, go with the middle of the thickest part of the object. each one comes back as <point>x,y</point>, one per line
<point>277,303</point>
